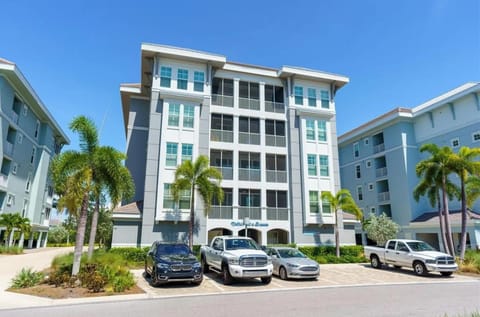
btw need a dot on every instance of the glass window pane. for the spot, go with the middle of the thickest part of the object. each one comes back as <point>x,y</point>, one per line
<point>270,127</point>
<point>254,125</point>
<point>217,86</point>
<point>254,91</point>
<point>216,121</point>
<point>281,199</point>
<point>228,87</point>
<point>270,162</point>
<point>244,159</point>
<point>281,163</point>
<point>280,128</point>
<point>243,89</point>
<point>243,124</point>
<point>228,123</point>
<point>278,94</point>
<point>269,93</point>
<point>271,198</point>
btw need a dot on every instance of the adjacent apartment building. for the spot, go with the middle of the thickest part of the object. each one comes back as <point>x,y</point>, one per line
<point>271,133</point>
<point>378,159</point>
<point>30,137</point>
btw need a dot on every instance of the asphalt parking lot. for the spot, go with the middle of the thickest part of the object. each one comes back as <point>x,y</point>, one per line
<point>331,275</point>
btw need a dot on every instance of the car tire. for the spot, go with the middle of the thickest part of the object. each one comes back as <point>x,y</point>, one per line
<point>446,274</point>
<point>205,267</point>
<point>198,282</point>
<point>266,280</point>
<point>419,268</point>
<point>282,272</point>
<point>147,275</point>
<point>227,277</point>
<point>154,278</point>
<point>375,262</point>
<point>397,267</point>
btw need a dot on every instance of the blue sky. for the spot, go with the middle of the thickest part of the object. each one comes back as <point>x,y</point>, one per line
<point>396,53</point>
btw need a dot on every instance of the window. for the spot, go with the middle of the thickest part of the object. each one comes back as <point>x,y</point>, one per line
<point>168,202</point>
<point>476,136</point>
<point>310,129</point>
<point>37,129</point>
<point>277,198</point>
<point>222,92</point>
<point>274,99</point>
<point>314,207</point>
<point>249,94</point>
<point>20,138</point>
<point>455,142</point>
<point>25,110</point>
<point>249,129</point>
<point>298,91</point>
<point>227,198</point>
<point>223,161</point>
<point>10,200</point>
<point>249,197</point>
<point>276,167</point>
<point>373,210</point>
<point>182,79</point>
<point>14,168</point>
<point>188,116</point>
<point>173,114</point>
<point>184,199</point>
<point>187,152</point>
<point>249,166</point>
<point>359,193</point>
<point>324,165</point>
<point>312,97</point>
<point>171,159</point>
<point>325,99</point>
<point>28,183</point>
<point>368,163</point>
<point>34,152</point>
<point>370,187</point>
<point>366,141</point>
<point>357,172</point>
<point>312,164</point>
<point>356,149</point>
<point>221,128</point>
<point>326,207</point>
<point>25,208</point>
<point>275,133</point>
<point>322,130</point>
<point>165,76</point>
<point>198,81</point>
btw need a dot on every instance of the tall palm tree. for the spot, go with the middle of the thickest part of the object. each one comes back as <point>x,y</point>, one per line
<point>10,221</point>
<point>24,227</point>
<point>197,176</point>
<point>437,166</point>
<point>341,201</point>
<point>463,164</point>
<point>472,189</point>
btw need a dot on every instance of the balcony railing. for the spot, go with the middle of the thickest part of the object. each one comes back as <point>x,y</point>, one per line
<point>383,196</point>
<point>221,212</point>
<point>220,100</point>
<point>278,107</point>
<point>274,140</point>
<point>248,138</point>
<point>227,172</point>
<point>221,136</point>
<point>3,180</point>
<point>13,116</point>
<point>249,174</point>
<point>382,171</point>
<point>8,148</point>
<point>251,212</point>
<point>274,176</point>
<point>247,103</point>
<point>379,148</point>
<point>277,213</point>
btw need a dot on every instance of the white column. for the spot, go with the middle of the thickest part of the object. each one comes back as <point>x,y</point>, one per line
<point>39,240</point>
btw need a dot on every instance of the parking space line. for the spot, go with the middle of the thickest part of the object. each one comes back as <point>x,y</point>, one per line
<point>214,283</point>
<point>276,284</point>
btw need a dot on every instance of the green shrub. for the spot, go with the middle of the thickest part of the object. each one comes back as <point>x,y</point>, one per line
<point>135,256</point>
<point>326,254</point>
<point>91,278</point>
<point>471,263</point>
<point>27,278</point>
<point>123,282</point>
<point>11,250</point>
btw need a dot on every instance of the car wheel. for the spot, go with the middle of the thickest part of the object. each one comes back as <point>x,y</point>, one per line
<point>154,278</point>
<point>375,262</point>
<point>283,273</point>
<point>198,282</point>
<point>147,275</point>
<point>419,268</point>
<point>266,280</point>
<point>227,278</point>
<point>205,267</point>
<point>446,273</point>
<point>397,267</point>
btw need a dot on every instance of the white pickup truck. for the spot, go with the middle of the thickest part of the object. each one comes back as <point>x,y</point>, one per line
<point>236,257</point>
<point>416,254</point>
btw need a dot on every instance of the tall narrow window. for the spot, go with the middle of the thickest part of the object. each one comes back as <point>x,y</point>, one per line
<point>322,130</point>
<point>187,152</point>
<point>34,152</point>
<point>182,79</point>
<point>310,129</point>
<point>356,149</point>
<point>326,208</point>
<point>313,195</point>
<point>198,80</point>
<point>171,159</point>
<point>312,97</point>
<point>28,183</point>
<point>324,165</point>
<point>165,76</point>
<point>358,174</point>
<point>168,202</point>
<point>312,164</point>
<point>188,116</point>
<point>359,193</point>
<point>173,115</point>
<point>184,199</point>
<point>37,130</point>
<point>298,95</point>
<point>325,99</point>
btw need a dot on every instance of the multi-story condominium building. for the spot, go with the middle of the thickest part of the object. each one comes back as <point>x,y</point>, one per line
<point>30,138</point>
<point>271,133</point>
<point>378,159</point>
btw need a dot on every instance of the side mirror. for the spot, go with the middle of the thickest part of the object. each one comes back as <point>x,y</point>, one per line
<point>274,256</point>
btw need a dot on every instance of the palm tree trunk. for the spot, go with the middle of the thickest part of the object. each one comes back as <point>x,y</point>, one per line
<point>448,228</point>
<point>442,224</point>
<point>10,238</point>
<point>192,218</point>
<point>20,241</point>
<point>463,236</point>
<point>80,236</point>
<point>337,236</point>
<point>93,229</point>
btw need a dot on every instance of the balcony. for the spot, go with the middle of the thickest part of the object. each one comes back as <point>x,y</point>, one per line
<point>249,174</point>
<point>277,213</point>
<point>13,116</point>
<point>274,176</point>
<point>254,213</point>
<point>8,148</point>
<point>381,172</point>
<point>227,172</point>
<point>274,140</point>
<point>278,107</point>
<point>220,100</point>
<point>3,181</point>
<point>247,103</point>
<point>379,148</point>
<point>248,138</point>
<point>384,196</point>
<point>221,136</point>
<point>221,212</point>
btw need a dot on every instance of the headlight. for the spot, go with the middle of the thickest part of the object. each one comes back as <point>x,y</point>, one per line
<point>196,265</point>
<point>430,261</point>
<point>163,266</point>
<point>292,265</point>
<point>233,261</point>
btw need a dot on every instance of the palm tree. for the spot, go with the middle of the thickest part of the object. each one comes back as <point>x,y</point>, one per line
<point>24,227</point>
<point>472,189</point>
<point>10,222</point>
<point>197,176</point>
<point>341,201</point>
<point>463,164</point>
<point>437,167</point>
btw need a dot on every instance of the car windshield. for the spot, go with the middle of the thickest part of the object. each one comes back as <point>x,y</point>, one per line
<point>233,244</point>
<point>290,253</point>
<point>420,246</point>
<point>168,249</point>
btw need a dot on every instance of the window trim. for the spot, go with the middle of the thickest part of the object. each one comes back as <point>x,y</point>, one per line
<point>452,141</point>
<point>324,167</point>
<point>358,171</point>
<point>182,81</point>
<point>356,152</point>
<point>475,134</point>
<point>360,195</point>
<point>298,93</point>
<point>197,82</point>
<point>164,71</point>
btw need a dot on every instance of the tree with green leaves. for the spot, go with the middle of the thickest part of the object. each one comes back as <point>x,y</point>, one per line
<point>437,167</point>
<point>463,164</point>
<point>12,221</point>
<point>24,227</point>
<point>380,229</point>
<point>341,201</point>
<point>472,188</point>
<point>193,177</point>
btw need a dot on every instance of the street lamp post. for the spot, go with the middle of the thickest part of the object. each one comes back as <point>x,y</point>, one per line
<point>246,222</point>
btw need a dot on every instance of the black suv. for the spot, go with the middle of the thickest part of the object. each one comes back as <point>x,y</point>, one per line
<point>172,262</point>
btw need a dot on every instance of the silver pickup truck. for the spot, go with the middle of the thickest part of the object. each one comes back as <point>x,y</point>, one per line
<point>416,254</point>
<point>236,258</point>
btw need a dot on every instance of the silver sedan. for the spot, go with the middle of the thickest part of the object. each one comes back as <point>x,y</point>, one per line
<point>291,263</point>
